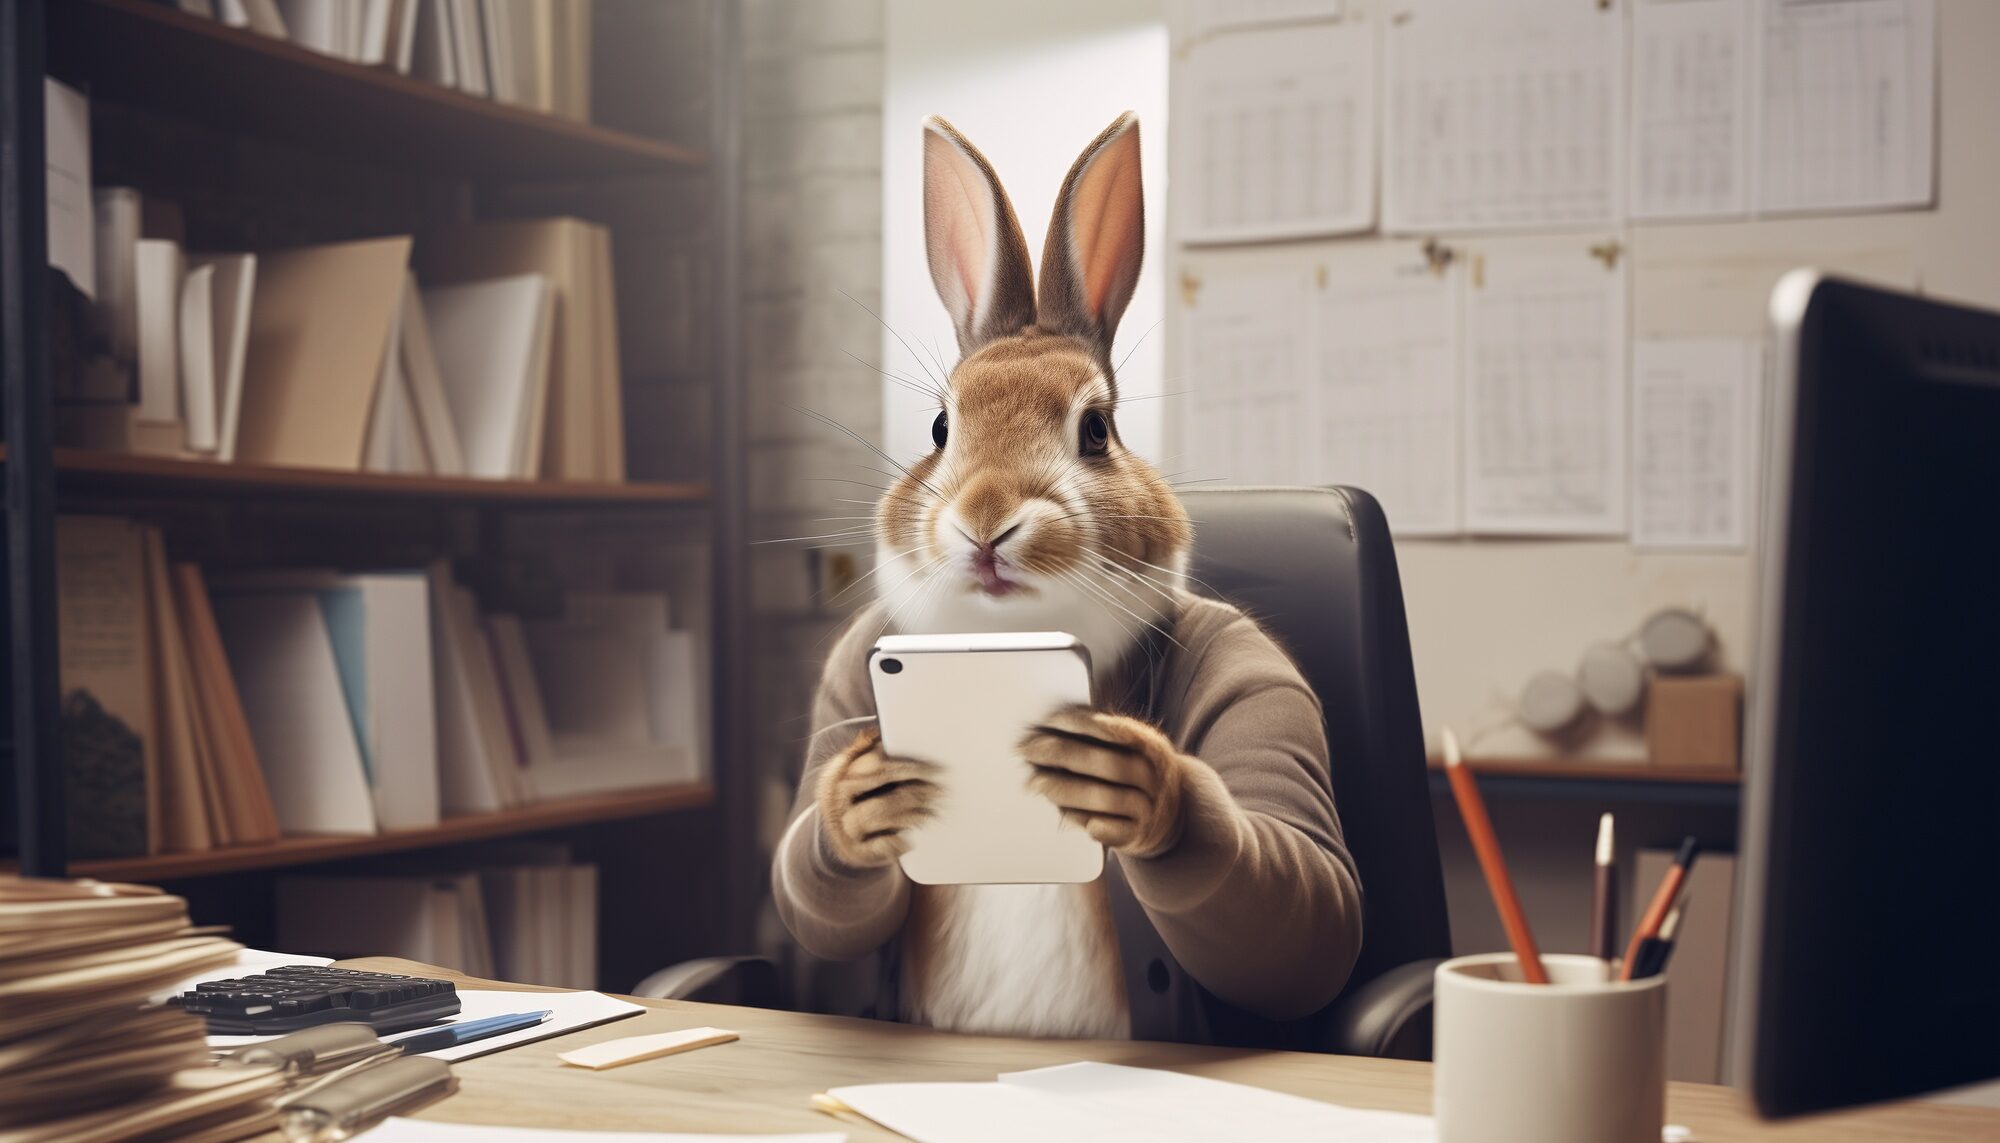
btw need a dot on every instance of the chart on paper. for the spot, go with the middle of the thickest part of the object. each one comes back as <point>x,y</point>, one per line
<point>1690,108</point>
<point>1503,115</point>
<point>1247,357</point>
<point>1387,381</point>
<point>1545,392</point>
<point>1694,425</point>
<point>1282,142</point>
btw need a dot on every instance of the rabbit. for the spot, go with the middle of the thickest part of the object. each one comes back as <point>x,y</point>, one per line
<point>1030,514</point>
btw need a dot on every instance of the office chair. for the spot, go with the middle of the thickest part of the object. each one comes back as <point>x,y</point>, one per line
<point>1317,568</point>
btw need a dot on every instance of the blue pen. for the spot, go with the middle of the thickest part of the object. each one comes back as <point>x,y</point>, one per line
<point>452,1035</point>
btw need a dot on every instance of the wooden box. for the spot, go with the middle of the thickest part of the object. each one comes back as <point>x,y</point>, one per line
<point>1694,722</point>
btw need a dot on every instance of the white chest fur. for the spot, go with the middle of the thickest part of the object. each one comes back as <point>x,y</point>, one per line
<point>1022,960</point>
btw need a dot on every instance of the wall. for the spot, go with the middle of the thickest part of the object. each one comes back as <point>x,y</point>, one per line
<point>812,106</point>
<point>1030,83</point>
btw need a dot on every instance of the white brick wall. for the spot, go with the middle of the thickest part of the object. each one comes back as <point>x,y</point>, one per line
<point>812,145</point>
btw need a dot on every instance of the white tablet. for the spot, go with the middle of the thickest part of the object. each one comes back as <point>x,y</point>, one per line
<point>963,702</point>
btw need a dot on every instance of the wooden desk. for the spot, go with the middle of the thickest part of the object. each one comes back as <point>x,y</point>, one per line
<point>762,1083</point>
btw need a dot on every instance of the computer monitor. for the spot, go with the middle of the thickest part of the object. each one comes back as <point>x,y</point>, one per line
<point>1867,958</point>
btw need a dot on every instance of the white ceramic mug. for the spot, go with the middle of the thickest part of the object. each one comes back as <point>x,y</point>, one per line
<point>1581,1059</point>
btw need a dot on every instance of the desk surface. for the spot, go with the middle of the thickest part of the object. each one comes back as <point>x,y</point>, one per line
<point>762,1082</point>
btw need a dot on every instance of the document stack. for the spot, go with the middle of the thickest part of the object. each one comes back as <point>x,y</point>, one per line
<point>83,1056</point>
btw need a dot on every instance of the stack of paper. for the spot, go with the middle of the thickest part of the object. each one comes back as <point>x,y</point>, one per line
<point>82,1056</point>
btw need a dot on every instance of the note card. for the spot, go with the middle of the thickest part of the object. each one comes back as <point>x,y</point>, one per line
<point>1246,345</point>
<point>1545,390</point>
<point>1847,117</point>
<point>1694,429</point>
<point>1690,108</point>
<point>1503,114</point>
<point>1387,383</point>
<point>1282,136</point>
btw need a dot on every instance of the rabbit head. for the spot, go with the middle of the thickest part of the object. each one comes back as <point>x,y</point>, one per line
<point>1029,513</point>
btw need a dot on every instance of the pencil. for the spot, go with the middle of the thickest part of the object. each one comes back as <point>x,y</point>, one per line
<point>1604,896</point>
<point>1479,828</point>
<point>1663,900</point>
<point>1653,952</point>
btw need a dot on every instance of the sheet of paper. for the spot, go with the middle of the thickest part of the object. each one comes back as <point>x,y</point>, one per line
<point>1847,111</point>
<point>573,1010</point>
<point>1690,108</point>
<point>1503,113</point>
<point>1278,139</point>
<point>1108,1103</point>
<point>1387,325</point>
<point>1545,389</point>
<point>72,220</point>
<point>1246,346</point>
<point>1195,18</point>
<point>399,1130</point>
<point>1695,415</point>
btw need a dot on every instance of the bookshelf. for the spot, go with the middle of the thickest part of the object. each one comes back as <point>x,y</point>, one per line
<point>293,851</point>
<point>265,143</point>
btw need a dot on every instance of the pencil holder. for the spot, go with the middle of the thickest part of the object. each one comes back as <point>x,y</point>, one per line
<point>1581,1059</point>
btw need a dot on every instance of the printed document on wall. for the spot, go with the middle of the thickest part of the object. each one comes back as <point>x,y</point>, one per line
<point>1690,108</point>
<point>1388,384</point>
<point>1847,117</point>
<point>1503,113</point>
<point>1545,391</point>
<point>1246,347</point>
<point>1695,412</point>
<point>1196,18</point>
<point>1277,134</point>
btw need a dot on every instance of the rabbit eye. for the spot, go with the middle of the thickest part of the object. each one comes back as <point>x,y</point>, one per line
<point>939,429</point>
<point>1094,435</point>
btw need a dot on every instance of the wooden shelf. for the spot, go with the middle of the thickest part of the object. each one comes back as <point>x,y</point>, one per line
<point>129,474</point>
<point>153,55</point>
<point>1573,780</point>
<point>452,831</point>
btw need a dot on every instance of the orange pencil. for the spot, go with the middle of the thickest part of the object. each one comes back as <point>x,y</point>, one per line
<point>1663,900</point>
<point>1479,827</point>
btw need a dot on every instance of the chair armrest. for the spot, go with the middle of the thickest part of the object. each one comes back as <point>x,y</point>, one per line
<point>752,981</point>
<point>1388,1017</point>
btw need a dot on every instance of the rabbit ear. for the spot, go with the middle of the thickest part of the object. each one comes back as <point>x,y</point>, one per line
<point>1097,237</point>
<point>979,261</point>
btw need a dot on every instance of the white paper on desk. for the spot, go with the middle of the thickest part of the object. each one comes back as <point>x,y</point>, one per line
<point>1387,365</point>
<point>1694,423</point>
<point>72,217</point>
<point>1278,138</point>
<point>1195,18</point>
<point>1690,108</point>
<point>1109,1103</point>
<point>400,1130</point>
<point>1246,346</point>
<point>1847,104</point>
<point>1502,113</point>
<point>1545,381</point>
<point>573,1011</point>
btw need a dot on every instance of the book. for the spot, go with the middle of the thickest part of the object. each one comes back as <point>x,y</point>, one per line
<point>314,24</point>
<point>157,273</point>
<point>197,357</point>
<point>247,799</point>
<point>189,797</point>
<point>474,761</point>
<point>282,657</point>
<point>495,20</point>
<point>410,916</point>
<point>403,42</point>
<point>115,317</point>
<point>491,340</point>
<point>109,726</point>
<point>377,27</point>
<point>571,57</point>
<point>379,625</point>
<point>391,444</point>
<point>584,435</point>
<point>323,320</point>
<point>469,47</point>
<point>434,50</point>
<point>426,387</point>
<point>234,292</point>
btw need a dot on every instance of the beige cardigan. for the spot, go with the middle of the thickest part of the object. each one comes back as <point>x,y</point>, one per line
<point>1258,901</point>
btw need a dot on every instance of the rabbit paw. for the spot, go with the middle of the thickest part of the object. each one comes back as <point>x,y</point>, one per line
<point>1117,777</point>
<point>868,802</point>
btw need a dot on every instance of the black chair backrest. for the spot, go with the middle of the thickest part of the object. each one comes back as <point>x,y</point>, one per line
<point>1316,567</point>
